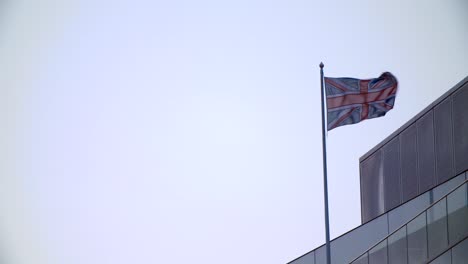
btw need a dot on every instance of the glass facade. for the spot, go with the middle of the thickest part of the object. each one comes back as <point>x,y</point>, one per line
<point>437,235</point>
<point>457,208</point>
<point>430,235</point>
<point>398,247</point>
<point>455,255</point>
<point>378,254</point>
<point>401,215</point>
<point>321,255</point>
<point>445,258</point>
<point>460,253</point>
<point>364,259</point>
<point>417,239</point>
<point>443,222</point>
<point>308,258</point>
<point>441,190</point>
<point>352,244</point>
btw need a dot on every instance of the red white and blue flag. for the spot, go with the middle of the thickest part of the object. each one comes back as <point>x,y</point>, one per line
<point>350,100</point>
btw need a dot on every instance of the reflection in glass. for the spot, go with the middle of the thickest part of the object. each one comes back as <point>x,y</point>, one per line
<point>397,250</point>
<point>308,258</point>
<point>417,239</point>
<point>460,253</point>
<point>445,258</point>
<point>443,189</point>
<point>321,255</point>
<point>437,228</point>
<point>352,245</point>
<point>457,203</point>
<point>378,254</point>
<point>364,259</point>
<point>401,215</point>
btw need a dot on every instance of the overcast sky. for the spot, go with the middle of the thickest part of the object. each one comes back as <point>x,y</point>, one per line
<point>189,131</point>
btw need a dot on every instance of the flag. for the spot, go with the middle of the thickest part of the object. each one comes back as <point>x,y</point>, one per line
<point>350,100</point>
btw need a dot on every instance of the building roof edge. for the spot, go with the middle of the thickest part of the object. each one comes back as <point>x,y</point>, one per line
<point>414,119</point>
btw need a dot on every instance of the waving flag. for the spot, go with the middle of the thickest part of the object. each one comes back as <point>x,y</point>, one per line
<point>350,100</point>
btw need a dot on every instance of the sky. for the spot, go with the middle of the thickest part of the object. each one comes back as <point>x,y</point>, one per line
<point>190,131</point>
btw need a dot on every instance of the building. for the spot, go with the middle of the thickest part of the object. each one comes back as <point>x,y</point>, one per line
<point>414,193</point>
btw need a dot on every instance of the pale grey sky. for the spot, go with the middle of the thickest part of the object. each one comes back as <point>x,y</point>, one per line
<point>189,131</point>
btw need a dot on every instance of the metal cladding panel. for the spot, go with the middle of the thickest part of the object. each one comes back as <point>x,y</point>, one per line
<point>426,155</point>
<point>372,202</point>
<point>444,140</point>
<point>409,167</point>
<point>391,165</point>
<point>460,125</point>
<point>433,148</point>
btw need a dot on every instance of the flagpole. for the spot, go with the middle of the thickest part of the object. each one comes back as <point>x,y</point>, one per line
<point>325,185</point>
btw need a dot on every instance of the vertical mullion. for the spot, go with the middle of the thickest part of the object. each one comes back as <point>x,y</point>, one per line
<point>435,149</point>
<point>447,215</point>
<point>407,244</point>
<point>427,237</point>
<point>386,241</point>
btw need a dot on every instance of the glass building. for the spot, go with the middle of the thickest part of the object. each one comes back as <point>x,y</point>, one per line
<point>414,193</point>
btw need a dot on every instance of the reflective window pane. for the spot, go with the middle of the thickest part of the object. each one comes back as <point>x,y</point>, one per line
<point>417,240</point>
<point>362,260</point>
<point>378,254</point>
<point>445,258</point>
<point>443,189</point>
<point>354,243</point>
<point>460,253</point>
<point>397,247</point>
<point>308,258</point>
<point>437,228</point>
<point>321,255</point>
<point>457,203</point>
<point>401,215</point>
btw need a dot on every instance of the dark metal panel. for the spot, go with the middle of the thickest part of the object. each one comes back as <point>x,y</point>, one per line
<point>460,124</point>
<point>426,157</point>
<point>372,196</point>
<point>443,140</point>
<point>409,158</point>
<point>412,120</point>
<point>391,163</point>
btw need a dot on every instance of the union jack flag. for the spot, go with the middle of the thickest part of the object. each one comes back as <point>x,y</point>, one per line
<point>350,100</point>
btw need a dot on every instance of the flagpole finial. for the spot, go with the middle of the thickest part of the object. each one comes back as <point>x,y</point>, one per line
<point>321,65</point>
